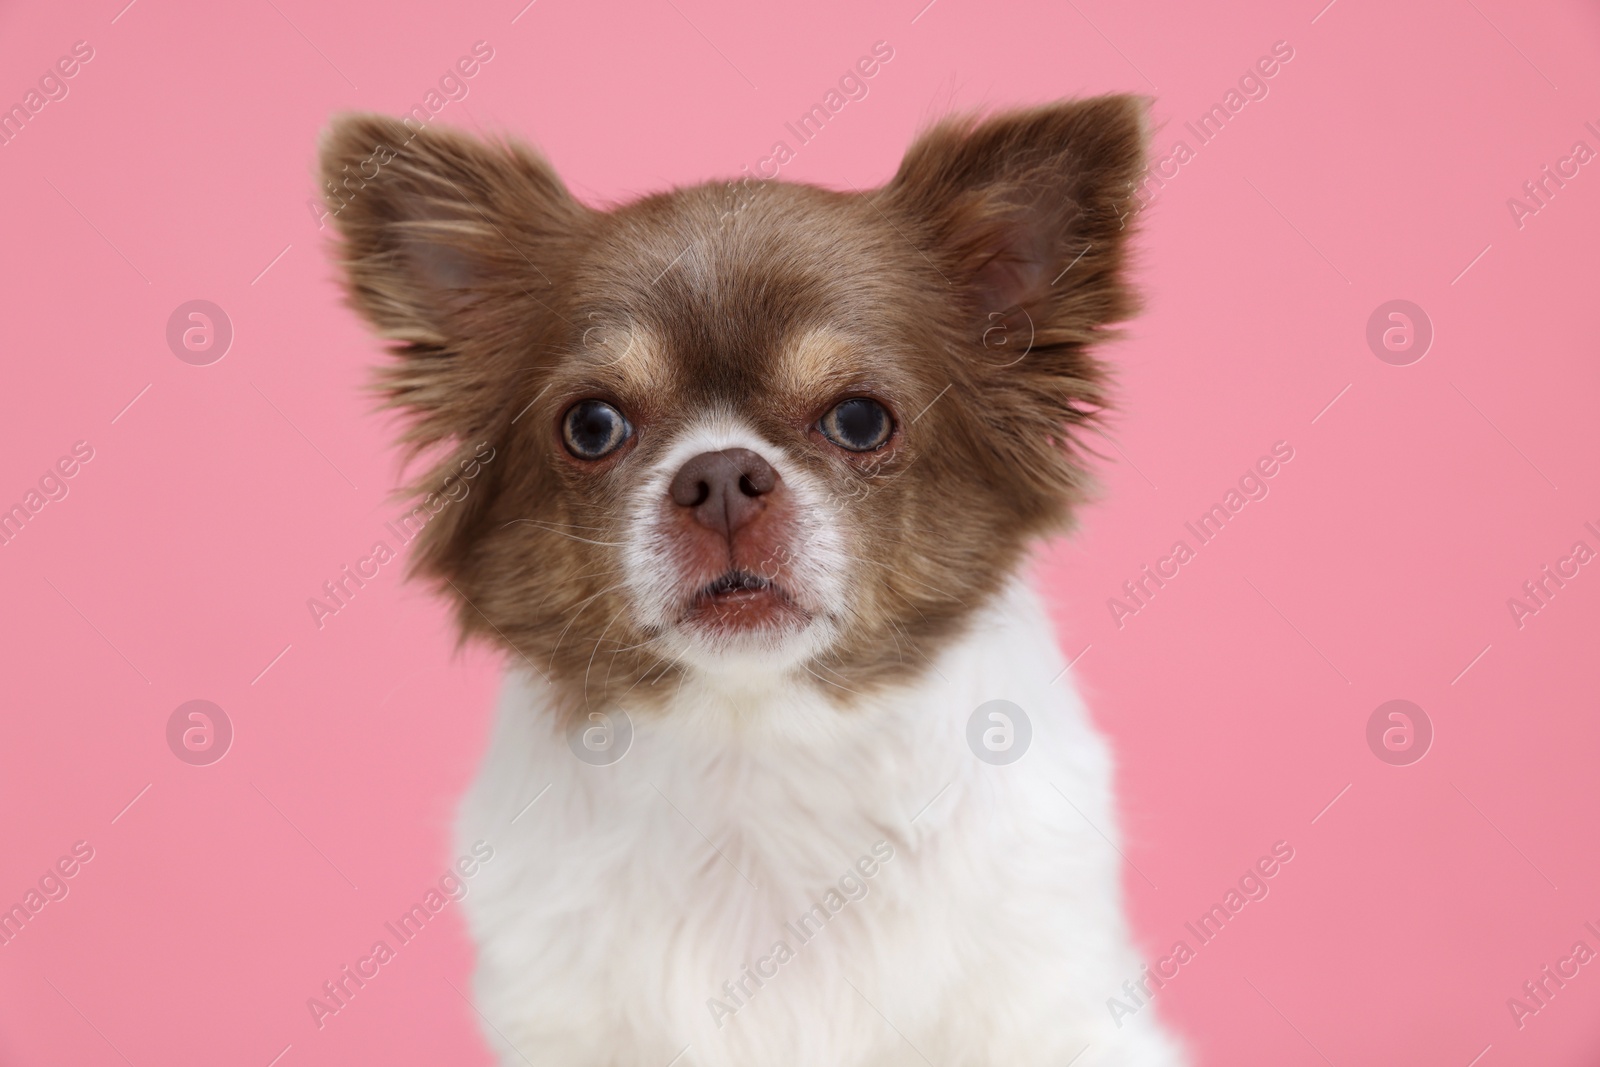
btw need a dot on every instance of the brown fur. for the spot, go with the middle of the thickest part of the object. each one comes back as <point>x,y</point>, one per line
<point>509,301</point>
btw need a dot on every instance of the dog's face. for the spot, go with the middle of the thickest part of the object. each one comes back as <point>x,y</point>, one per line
<point>747,429</point>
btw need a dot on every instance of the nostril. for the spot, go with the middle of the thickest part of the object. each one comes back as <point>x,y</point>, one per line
<point>756,476</point>
<point>702,494</point>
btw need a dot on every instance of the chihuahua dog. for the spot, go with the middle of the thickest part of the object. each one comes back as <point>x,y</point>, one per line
<point>786,770</point>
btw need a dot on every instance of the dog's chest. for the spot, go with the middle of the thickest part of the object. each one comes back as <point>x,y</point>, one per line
<point>727,881</point>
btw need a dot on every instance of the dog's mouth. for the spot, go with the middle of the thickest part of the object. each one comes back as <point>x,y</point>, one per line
<point>736,582</point>
<point>741,601</point>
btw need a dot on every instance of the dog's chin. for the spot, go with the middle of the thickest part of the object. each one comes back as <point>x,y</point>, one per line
<point>742,622</point>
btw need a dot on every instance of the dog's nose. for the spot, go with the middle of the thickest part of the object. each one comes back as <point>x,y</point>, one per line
<point>723,490</point>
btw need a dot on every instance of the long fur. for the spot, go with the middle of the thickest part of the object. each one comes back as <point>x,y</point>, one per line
<point>966,297</point>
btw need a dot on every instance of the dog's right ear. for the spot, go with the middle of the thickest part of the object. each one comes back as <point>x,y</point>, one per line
<point>453,249</point>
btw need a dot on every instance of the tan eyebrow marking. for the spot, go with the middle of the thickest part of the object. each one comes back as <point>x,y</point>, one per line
<point>628,352</point>
<point>815,359</point>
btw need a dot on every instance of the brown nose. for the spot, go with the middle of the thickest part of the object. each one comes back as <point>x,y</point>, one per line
<point>723,490</point>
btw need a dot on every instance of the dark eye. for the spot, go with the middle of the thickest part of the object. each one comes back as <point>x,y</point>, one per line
<point>593,429</point>
<point>859,424</point>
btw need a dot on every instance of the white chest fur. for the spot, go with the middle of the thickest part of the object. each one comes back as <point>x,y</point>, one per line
<point>635,913</point>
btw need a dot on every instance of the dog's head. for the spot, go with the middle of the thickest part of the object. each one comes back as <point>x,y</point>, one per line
<point>744,428</point>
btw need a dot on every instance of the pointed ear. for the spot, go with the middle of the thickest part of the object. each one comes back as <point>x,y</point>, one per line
<point>453,249</point>
<point>1031,210</point>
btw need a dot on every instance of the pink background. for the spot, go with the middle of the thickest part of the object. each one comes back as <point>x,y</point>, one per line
<point>179,565</point>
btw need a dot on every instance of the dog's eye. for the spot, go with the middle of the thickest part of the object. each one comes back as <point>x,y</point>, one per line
<point>593,429</point>
<point>859,424</point>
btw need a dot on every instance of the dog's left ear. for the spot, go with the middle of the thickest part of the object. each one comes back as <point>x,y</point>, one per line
<point>1029,211</point>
